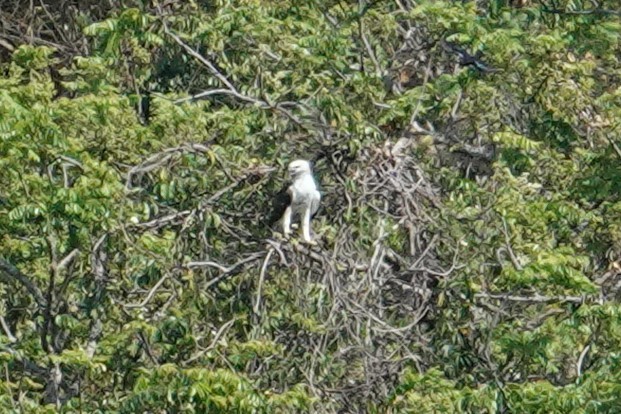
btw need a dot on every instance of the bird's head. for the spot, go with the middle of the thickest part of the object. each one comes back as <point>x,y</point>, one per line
<point>298,168</point>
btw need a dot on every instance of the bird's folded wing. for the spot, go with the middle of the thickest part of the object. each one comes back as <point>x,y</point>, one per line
<point>279,204</point>
<point>315,201</point>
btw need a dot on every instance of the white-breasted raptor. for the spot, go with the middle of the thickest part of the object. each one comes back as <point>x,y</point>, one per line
<point>299,200</point>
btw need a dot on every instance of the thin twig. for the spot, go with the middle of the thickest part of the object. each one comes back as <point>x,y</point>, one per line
<point>214,342</point>
<point>257,302</point>
<point>226,270</point>
<point>7,330</point>
<point>583,354</point>
<point>67,259</point>
<point>514,259</point>
<point>149,295</point>
<point>604,12</point>
<point>536,298</point>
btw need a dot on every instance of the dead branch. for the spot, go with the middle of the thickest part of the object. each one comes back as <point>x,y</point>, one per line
<point>150,295</point>
<point>225,270</point>
<point>514,259</point>
<point>156,161</point>
<point>596,11</point>
<point>536,298</point>
<point>257,302</point>
<point>67,259</point>
<point>7,330</point>
<point>225,327</point>
<point>583,355</point>
<point>99,271</point>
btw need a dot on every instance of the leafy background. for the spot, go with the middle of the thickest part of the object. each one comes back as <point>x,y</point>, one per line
<point>467,255</point>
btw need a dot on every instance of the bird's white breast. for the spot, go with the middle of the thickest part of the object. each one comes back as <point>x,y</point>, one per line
<point>303,191</point>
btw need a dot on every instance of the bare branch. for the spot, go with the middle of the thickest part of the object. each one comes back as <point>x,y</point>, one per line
<point>601,12</point>
<point>175,218</point>
<point>7,330</point>
<point>257,302</point>
<point>536,298</point>
<point>9,273</point>
<point>225,327</point>
<point>95,331</point>
<point>100,273</point>
<point>583,355</point>
<point>149,295</point>
<point>159,159</point>
<point>212,92</point>
<point>369,48</point>
<point>231,89</point>
<point>514,259</point>
<point>67,259</point>
<point>224,269</point>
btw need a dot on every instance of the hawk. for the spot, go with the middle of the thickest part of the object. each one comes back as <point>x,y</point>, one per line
<point>299,200</point>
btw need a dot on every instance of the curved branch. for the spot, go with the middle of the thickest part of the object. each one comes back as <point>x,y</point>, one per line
<point>10,273</point>
<point>149,295</point>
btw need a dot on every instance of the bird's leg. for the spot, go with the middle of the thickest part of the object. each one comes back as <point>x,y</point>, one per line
<point>306,225</point>
<point>286,222</point>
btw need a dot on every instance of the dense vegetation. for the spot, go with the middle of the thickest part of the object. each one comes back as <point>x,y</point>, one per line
<point>468,247</point>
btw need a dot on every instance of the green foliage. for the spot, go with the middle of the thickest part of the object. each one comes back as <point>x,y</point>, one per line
<point>468,254</point>
<point>201,390</point>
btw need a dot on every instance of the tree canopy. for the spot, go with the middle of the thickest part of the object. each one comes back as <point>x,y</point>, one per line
<point>468,255</point>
